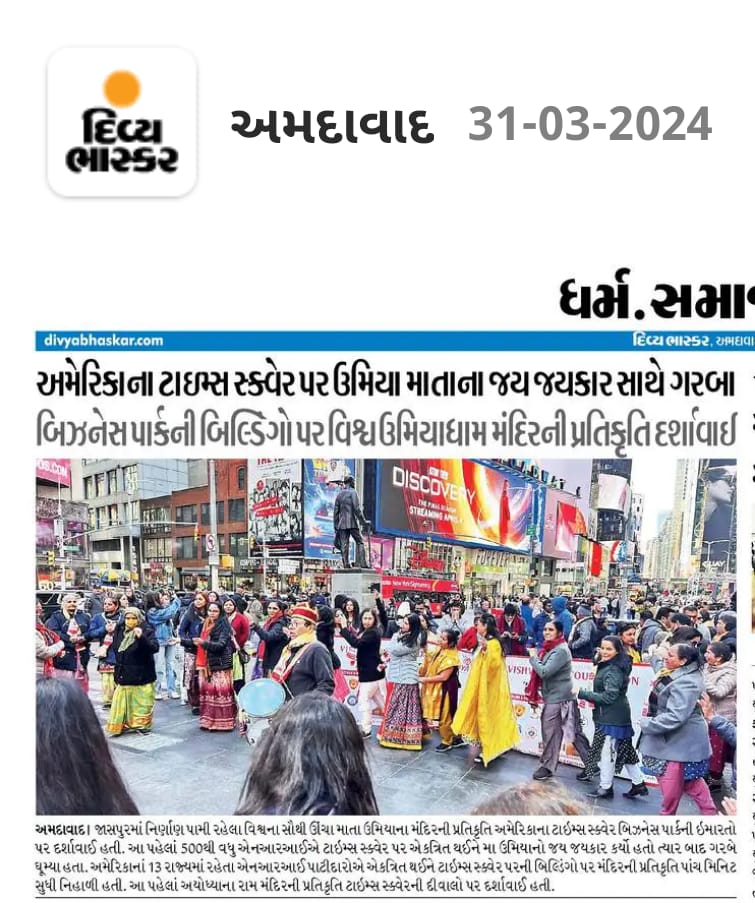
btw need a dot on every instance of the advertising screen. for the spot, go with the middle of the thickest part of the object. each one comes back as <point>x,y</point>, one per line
<point>275,505</point>
<point>461,501</point>
<point>321,486</point>
<point>563,524</point>
<point>718,479</point>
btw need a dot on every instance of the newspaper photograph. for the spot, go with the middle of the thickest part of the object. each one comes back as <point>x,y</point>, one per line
<point>384,382</point>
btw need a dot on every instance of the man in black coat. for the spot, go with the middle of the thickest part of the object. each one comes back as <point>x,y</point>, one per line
<point>305,664</point>
<point>347,519</point>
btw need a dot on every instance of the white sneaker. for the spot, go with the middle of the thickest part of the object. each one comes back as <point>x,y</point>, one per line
<point>174,695</point>
<point>160,696</point>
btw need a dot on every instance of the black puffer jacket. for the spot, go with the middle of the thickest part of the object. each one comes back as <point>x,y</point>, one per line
<point>609,692</point>
<point>219,646</point>
<point>326,633</point>
<point>275,640</point>
<point>368,653</point>
<point>136,666</point>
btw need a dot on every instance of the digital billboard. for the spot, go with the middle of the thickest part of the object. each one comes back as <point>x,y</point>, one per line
<point>718,484</point>
<point>457,500</point>
<point>321,486</point>
<point>563,524</point>
<point>275,505</point>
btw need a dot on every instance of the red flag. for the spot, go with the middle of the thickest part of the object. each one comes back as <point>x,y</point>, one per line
<point>596,559</point>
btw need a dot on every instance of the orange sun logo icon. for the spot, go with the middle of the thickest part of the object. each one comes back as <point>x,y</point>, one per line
<point>122,88</point>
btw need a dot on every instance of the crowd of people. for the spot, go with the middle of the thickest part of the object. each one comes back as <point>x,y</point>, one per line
<point>202,650</point>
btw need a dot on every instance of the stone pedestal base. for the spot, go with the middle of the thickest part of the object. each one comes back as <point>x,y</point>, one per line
<point>354,582</point>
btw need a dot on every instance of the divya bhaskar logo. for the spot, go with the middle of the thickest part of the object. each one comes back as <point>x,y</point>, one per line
<point>121,122</point>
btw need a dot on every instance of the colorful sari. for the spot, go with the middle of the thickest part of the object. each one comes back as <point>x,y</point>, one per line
<point>486,715</point>
<point>131,709</point>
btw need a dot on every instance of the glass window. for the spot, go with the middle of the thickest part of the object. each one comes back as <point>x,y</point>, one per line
<point>241,478</point>
<point>88,487</point>
<point>131,478</point>
<point>185,547</point>
<point>239,545</point>
<point>112,482</point>
<point>186,514</point>
<point>113,515</point>
<point>205,512</point>
<point>237,510</point>
<point>92,518</point>
<point>99,483</point>
<point>101,515</point>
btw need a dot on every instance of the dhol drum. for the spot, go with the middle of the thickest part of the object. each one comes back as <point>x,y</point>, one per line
<point>258,701</point>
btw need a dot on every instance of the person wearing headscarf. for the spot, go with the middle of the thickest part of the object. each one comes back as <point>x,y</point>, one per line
<point>72,626</point>
<point>102,629</point>
<point>134,698</point>
<point>49,647</point>
<point>217,703</point>
<point>305,664</point>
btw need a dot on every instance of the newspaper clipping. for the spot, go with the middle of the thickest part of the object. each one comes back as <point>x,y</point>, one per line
<point>384,375</point>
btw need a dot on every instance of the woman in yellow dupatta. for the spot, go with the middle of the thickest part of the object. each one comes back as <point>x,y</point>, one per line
<point>485,716</point>
<point>439,683</point>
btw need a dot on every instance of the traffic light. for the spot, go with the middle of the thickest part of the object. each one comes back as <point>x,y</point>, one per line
<point>196,532</point>
<point>51,557</point>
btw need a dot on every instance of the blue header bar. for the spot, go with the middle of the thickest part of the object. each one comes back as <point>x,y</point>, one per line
<point>362,342</point>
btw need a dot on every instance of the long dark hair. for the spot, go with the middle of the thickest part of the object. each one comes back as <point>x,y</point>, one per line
<point>310,761</point>
<point>412,636</point>
<point>491,628</point>
<point>76,774</point>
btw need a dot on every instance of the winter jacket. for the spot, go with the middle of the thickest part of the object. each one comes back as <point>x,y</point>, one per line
<point>555,672</point>
<point>648,635</point>
<point>59,623</point>
<point>525,610</point>
<point>368,654</point>
<point>190,627</point>
<point>728,731</point>
<point>219,646</point>
<point>721,686</point>
<point>161,621</point>
<point>538,622</point>
<point>562,614</point>
<point>326,632</point>
<point>403,667</point>
<point>98,632</point>
<point>581,640</point>
<point>609,692</point>
<point>136,666</point>
<point>730,639</point>
<point>312,672</point>
<point>275,640</point>
<point>678,732</point>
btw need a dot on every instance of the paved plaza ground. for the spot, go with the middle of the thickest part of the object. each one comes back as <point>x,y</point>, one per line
<point>180,770</point>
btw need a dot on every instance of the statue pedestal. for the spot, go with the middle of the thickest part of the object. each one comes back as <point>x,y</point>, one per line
<point>354,582</point>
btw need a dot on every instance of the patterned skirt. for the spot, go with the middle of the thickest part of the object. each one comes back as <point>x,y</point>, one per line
<point>626,754</point>
<point>191,682</point>
<point>402,722</point>
<point>131,709</point>
<point>217,702</point>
